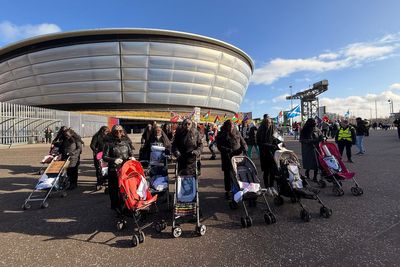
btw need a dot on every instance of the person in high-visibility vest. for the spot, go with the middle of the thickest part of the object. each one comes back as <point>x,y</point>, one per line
<point>345,138</point>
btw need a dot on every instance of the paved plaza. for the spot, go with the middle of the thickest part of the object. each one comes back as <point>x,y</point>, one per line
<point>80,230</point>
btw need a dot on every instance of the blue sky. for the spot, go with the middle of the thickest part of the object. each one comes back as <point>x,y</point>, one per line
<point>355,44</point>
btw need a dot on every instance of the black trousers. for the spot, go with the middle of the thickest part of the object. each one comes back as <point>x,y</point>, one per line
<point>72,173</point>
<point>113,190</point>
<point>227,180</point>
<point>269,176</point>
<point>98,169</point>
<point>345,144</point>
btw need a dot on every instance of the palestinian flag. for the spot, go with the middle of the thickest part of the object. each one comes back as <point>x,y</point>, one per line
<point>216,121</point>
<point>207,115</point>
<point>235,118</point>
<point>175,117</point>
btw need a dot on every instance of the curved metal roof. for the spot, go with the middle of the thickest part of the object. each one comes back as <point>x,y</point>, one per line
<point>35,41</point>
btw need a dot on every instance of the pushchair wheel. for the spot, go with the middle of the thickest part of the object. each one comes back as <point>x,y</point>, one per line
<point>44,205</point>
<point>338,191</point>
<point>176,232</point>
<point>26,206</point>
<point>141,237</point>
<point>64,194</point>
<point>305,215</point>
<point>243,222</point>
<point>325,212</point>
<point>249,221</point>
<point>356,191</point>
<point>159,226</point>
<point>273,217</point>
<point>233,205</point>
<point>278,201</point>
<point>201,230</point>
<point>135,240</point>
<point>252,203</point>
<point>267,219</point>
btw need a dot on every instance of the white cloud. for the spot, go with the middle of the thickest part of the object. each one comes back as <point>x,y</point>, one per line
<point>352,55</point>
<point>10,32</point>
<point>363,106</point>
<point>280,98</point>
<point>395,86</point>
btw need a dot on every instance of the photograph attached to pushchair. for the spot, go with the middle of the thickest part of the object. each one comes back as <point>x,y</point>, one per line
<point>186,205</point>
<point>333,169</point>
<point>102,173</point>
<point>53,180</point>
<point>156,171</point>
<point>293,185</point>
<point>136,200</point>
<point>246,189</point>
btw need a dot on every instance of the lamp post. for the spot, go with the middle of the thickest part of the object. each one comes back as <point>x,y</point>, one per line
<point>390,101</point>
<point>291,107</point>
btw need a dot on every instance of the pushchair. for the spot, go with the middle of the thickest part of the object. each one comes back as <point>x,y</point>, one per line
<point>334,169</point>
<point>157,172</point>
<point>246,187</point>
<point>54,179</point>
<point>294,186</point>
<point>186,201</point>
<point>136,198</point>
<point>102,181</point>
<point>48,159</point>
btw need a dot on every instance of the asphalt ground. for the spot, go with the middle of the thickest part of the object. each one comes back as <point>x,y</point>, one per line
<point>80,230</point>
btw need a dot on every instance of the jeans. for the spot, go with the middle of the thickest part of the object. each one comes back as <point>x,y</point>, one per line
<point>250,150</point>
<point>360,143</point>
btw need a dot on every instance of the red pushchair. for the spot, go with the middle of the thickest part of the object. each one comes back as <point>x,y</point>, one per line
<point>334,169</point>
<point>136,198</point>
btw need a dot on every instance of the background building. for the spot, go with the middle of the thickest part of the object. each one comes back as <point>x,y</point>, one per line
<point>125,69</point>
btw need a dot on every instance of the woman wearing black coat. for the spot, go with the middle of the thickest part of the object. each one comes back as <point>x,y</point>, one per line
<point>71,146</point>
<point>267,145</point>
<point>97,144</point>
<point>157,137</point>
<point>187,147</point>
<point>310,136</point>
<point>116,152</point>
<point>230,143</point>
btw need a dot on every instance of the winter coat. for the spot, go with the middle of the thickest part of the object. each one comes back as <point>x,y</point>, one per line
<point>188,145</point>
<point>361,129</point>
<point>115,149</point>
<point>164,140</point>
<point>98,142</point>
<point>230,145</point>
<point>71,148</point>
<point>309,142</point>
<point>267,144</point>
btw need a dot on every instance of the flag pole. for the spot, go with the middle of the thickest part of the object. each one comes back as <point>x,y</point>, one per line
<point>291,107</point>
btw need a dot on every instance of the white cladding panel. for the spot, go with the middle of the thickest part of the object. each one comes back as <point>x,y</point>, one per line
<point>126,72</point>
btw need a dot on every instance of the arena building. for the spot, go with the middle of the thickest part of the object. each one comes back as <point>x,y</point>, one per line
<point>125,70</point>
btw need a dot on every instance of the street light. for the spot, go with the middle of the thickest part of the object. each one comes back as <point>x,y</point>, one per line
<point>390,101</point>
<point>291,107</point>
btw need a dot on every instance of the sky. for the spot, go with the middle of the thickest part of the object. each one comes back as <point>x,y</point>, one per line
<point>355,44</point>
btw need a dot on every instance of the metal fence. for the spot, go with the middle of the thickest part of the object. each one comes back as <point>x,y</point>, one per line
<point>26,124</point>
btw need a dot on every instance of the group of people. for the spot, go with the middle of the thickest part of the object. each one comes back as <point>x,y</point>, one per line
<point>185,143</point>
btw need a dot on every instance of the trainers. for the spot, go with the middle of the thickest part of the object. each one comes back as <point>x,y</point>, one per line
<point>270,192</point>
<point>350,161</point>
<point>212,158</point>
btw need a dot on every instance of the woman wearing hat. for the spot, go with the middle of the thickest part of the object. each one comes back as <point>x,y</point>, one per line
<point>116,152</point>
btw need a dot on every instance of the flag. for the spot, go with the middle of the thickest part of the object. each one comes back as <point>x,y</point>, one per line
<point>235,117</point>
<point>294,112</point>
<point>225,117</point>
<point>279,118</point>
<point>347,114</point>
<point>190,115</point>
<point>174,117</point>
<point>207,115</point>
<point>246,117</point>
<point>216,121</point>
